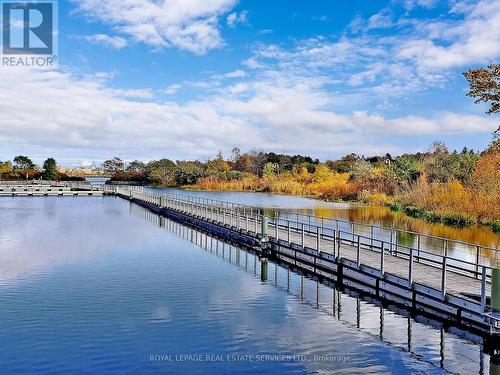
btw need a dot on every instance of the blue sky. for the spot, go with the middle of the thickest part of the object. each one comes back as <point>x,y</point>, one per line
<point>187,78</point>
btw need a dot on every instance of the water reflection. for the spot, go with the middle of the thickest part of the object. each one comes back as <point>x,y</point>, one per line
<point>432,341</point>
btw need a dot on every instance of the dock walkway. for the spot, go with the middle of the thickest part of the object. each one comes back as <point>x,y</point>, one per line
<point>421,278</point>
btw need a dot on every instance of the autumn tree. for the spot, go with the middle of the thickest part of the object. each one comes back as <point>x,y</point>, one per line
<point>5,167</point>
<point>484,86</point>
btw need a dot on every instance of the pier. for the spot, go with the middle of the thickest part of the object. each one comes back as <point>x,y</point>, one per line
<point>443,278</point>
<point>48,188</point>
<point>376,263</point>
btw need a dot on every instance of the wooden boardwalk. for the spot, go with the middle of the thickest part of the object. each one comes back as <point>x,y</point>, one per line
<point>50,189</point>
<point>418,278</point>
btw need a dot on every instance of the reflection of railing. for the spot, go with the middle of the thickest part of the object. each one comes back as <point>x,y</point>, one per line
<point>400,259</point>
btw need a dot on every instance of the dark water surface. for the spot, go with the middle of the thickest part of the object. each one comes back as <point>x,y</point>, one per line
<point>98,285</point>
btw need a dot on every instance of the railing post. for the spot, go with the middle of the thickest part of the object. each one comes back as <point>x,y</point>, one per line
<point>276,227</point>
<point>443,275</point>
<point>334,244</point>
<point>339,243</point>
<point>495,286</point>
<point>302,240</point>
<point>410,268</point>
<point>255,216</point>
<point>288,230</point>
<point>392,239</point>
<point>318,239</point>
<point>483,289</point>
<point>418,247</point>
<point>477,261</point>
<point>382,250</point>
<point>371,236</point>
<point>358,250</point>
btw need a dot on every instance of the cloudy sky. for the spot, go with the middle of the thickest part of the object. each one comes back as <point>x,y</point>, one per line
<point>187,78</point>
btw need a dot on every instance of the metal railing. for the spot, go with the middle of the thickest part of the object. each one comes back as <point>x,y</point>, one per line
<point>318,236</point>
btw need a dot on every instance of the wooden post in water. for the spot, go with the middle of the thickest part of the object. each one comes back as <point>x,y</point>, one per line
<point>263,270</point>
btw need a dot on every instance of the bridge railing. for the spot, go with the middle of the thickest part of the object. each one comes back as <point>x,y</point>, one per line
<point>477,253</point>
<point>319,237</point>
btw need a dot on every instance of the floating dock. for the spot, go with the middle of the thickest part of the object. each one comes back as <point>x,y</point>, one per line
<point>419,278</point>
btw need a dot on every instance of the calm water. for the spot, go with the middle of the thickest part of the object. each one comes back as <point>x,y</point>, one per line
<point>97,285</point>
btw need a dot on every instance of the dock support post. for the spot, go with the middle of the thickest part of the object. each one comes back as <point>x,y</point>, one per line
<point>263,270</point>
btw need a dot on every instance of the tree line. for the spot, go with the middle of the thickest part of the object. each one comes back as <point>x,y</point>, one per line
<point>23,168</point>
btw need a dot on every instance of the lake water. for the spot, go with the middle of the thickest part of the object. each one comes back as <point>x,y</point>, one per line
<point>99,285</point>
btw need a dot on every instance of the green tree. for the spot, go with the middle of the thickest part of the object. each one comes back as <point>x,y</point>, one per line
<point>162,172</point>
<point>113,165</point>
<point>362,171</point>
<point>406,170</point>
<point>137,166</point>
<point>438,163</point>
<point>49,169</point>
<point>270,169</point>
<point>343,165</point>
<point>188,172</point>
<point>23,163</point>
<point>218,167</point>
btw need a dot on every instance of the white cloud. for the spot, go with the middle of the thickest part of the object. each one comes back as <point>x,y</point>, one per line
<point>444,45</point>
<point>191,25</point>
<point>381,20</point>
<point>106,40</point>
<point>306,97</point>
<point>236,74</point>
<point>84,118</point>
<point>172,89</point>
<point>412,4</point>
<point>235,18</point>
